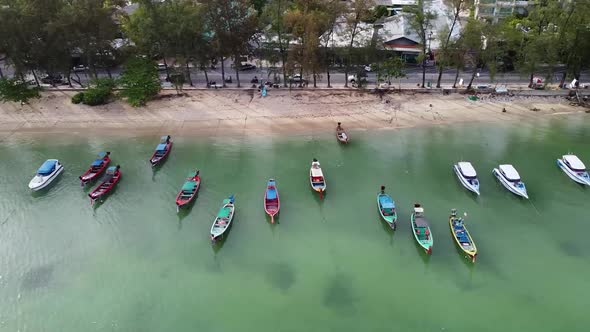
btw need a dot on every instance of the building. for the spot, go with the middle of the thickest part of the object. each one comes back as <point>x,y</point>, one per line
<point>496,9</point>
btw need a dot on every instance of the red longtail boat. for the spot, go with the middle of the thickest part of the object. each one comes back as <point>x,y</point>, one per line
<point>272,204</point>
<point>189,190</point>
<point>162,150</point>
<point>96,168</point>
<point>113,176</point>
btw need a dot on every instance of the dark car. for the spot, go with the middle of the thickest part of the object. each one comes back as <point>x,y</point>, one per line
<point>52,79</point>
<point>247,66</point>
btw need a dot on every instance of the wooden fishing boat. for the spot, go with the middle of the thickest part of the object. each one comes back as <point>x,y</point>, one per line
<point>421,229</point>
<point>386,207</point>
<point>224,219</point>
<point>162,150</point>
<point>316,178</point>
<point>272,204</point>
<point>462,236</point>
<point>189,190</point>
<point>112,177</point>
<point>341,134</point>
<point>96,168</point>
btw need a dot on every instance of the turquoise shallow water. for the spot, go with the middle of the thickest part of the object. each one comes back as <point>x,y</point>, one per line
<point>133,264</point>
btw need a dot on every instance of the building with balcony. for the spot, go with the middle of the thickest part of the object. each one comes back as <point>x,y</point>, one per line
<point>497,9</point>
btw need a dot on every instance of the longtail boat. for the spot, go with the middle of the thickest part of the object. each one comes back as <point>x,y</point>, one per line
<point>386,207</point>
<point>113,175</point>
<point>421,229</point>
<point>272,204</point>
<point>162,150</point>
<point>96,168</point>
<point>316,178</point>
<point>224,219</point>
<point>189,190</point>
<point>462,236</point>
<point>341,134</point>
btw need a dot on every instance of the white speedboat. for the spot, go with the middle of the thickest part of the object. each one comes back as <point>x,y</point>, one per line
<point>48,172</point>
<point>510,178</point>
<point>574,168</point>
<point>467,175</point>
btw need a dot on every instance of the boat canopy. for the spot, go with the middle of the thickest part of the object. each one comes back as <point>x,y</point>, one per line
<point>48,167</point>
<point>164,139</point>
<point>97,162</point>
<point>386,202</point>
<point>316,172</point>
<point>574,162</point>
<point>224,212</point>
<point>467,169</point>
<point>111,170</point>
<point>420,222</point>
<point>510,172</point>
<point>102,154</point>
<point>161,147</point>
<point>271,194</point>
<point>189,186</point>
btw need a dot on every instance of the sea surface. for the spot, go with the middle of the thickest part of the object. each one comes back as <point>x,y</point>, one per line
<point>133,264</point>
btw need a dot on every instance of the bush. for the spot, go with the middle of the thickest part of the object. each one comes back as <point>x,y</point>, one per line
<point>96,96</point>
<point>17,91</point>
<point>78,98</point>
<point>140,81</point>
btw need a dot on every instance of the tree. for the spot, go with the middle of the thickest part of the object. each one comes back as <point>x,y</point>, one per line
<point>421,22</point>
<point>307,21</point>
<point>274,29</point>
<point>334,10</point>
<point>482,40</point>
<point>445,54</point>
<point>391,68</point>
<point>139,81</point>
<point>16,90</point>
<point>360,12</point>
<point>233,24</point>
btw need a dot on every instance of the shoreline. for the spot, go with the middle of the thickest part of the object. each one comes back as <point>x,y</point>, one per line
<point>244,113</point>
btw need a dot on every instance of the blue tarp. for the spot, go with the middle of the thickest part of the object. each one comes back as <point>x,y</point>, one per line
<point>161,147</point>
<point>111,170</point>
<point>97,162</point>
<point>271,194</point>
<point>386,202</point>
<point>164,139</point>
<point>47,168</point>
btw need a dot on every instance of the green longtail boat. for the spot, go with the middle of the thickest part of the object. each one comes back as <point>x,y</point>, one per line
<point>386,207</point>
<point>224,219</point>
<point>421,229</point>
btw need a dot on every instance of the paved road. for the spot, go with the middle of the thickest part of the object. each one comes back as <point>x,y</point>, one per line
<point>414,76</point>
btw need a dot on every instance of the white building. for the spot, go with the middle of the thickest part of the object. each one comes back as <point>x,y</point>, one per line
<point>496,9</point>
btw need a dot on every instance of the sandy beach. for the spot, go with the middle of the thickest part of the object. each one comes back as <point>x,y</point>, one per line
<point>246,113</point>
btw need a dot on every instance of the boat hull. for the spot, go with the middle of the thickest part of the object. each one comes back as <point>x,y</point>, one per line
<point>91,175</point>
<point>572,174</point>
<point>99,193</point>
<point>465,182</point>
<point>425,244</point>
<point>508,185</point>
<point>471,252</point>
<point>222,221</point>
<point>47,181</point>
<point>156,160</point>
<point>272,206</point>
<point>391,220</point>
<point>342,136</point>
<point>181,202</point>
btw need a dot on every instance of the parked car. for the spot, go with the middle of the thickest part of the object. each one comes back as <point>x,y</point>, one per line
<point>161,66</point>
<point>297,79</point>
<point>79,68</point>
<point>247,66</point>
<point>52,79</point>
<point>383,86</point>
<point>353,79</point>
